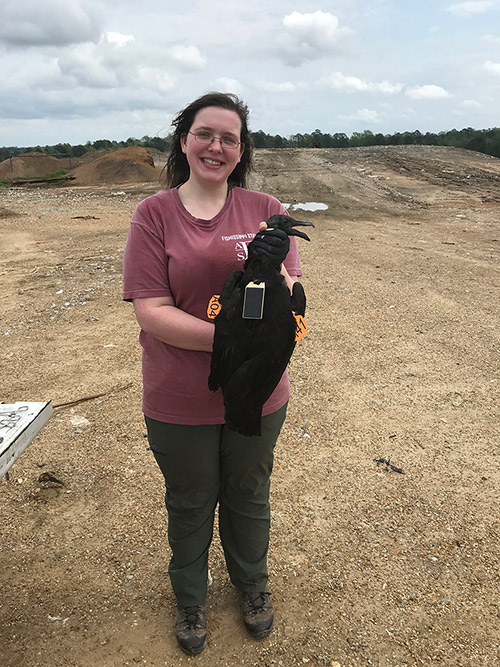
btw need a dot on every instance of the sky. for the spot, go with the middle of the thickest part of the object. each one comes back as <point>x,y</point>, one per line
<point>80,70</point>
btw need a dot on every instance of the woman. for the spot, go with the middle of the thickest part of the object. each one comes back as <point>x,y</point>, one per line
<point>183,244</point>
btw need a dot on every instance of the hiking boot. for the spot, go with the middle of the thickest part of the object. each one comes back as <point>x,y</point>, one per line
<point>257,613</point>
<point>191,629</point>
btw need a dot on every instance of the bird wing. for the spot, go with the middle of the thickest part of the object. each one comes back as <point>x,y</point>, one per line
<point>229,299</point>
<point>245,394</point>
<point>231,295</point>
<point>298,299</point>
<point>250,386</point>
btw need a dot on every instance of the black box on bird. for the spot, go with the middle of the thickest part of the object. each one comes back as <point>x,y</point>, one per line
<point>253,301</point>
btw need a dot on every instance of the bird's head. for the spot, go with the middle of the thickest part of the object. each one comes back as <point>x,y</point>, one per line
<point>288,224</point>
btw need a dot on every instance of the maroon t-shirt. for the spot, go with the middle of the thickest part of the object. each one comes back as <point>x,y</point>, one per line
<point>171,253</point>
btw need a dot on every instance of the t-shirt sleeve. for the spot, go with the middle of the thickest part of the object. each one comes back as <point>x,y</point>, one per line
<point>145,261</point>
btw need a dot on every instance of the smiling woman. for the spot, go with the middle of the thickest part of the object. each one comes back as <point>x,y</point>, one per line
<point>213,149</point>
<point>178,168</point>
<point>182,246</point>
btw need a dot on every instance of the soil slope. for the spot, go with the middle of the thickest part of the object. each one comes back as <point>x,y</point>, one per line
<point>30,165</point>
<point>127,165</point>
<point>386,487</point>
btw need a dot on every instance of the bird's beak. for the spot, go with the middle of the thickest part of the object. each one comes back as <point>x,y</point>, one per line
<point>295,232</point>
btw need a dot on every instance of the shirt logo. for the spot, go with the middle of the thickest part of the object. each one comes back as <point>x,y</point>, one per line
<point>242,250</point>
<point>241,245</point>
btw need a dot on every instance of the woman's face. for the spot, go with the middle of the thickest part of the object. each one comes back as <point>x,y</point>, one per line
<point>212,164</point>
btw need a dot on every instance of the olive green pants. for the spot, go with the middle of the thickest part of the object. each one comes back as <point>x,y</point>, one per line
<point>210,464</point>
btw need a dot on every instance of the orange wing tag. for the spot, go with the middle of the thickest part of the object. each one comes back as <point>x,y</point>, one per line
<point>213,307</point>
<point>300,327</point>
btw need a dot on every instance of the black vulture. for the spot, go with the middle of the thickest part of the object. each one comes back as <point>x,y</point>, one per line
<point>250,354</point>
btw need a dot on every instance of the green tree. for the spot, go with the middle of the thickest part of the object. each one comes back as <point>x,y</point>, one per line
<point>259,139</point>
<point>340,140</point>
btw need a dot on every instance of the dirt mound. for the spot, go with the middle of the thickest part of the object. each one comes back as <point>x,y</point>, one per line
<point>7,212</point>
<point>90,156</point>
<point>127,165</point>
<point>159,157</point>
<point>30,165</point>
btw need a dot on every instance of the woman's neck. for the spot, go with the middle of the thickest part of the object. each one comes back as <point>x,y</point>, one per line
<point>203,202</point>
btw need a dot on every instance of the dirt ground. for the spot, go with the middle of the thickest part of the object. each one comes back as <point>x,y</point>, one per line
<point>369,565</point>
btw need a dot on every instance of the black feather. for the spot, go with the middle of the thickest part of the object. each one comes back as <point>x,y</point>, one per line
<point>250,356</point>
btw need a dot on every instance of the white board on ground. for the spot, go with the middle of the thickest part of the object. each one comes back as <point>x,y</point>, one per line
<point>19,424</point>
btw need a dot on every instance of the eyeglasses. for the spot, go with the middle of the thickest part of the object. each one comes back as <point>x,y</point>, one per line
<point>207,138</point>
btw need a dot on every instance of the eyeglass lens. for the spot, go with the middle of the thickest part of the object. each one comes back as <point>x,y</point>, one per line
<point>207,138</point>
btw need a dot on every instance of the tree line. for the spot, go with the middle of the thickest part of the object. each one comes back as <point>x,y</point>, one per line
<point>68,151</point>
<point>483,141</point>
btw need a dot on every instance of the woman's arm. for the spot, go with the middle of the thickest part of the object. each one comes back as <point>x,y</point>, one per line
<point>288,278</point>
<point>159,317</point>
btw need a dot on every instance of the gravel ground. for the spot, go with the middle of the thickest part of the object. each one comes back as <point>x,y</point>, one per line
<point>385,493</point>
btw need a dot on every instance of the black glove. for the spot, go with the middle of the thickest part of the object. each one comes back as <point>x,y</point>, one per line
<point>274,243</point>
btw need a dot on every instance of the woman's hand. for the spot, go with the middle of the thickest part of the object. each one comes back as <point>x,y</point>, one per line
<point>288,278</point>
<point>274,243</point>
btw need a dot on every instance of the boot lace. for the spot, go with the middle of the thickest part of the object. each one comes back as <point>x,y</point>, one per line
<point>192,617</point>
<point>257,601</point>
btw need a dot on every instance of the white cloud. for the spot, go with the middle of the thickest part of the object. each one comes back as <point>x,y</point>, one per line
<point>310,36</point>
<point>118,62</point>
<point>118,39</point>
<point>94,77</point>
<point>395,112</point>
<point>428,92</point>
<point>319,29</point>
<point>153,79</point>
<point>90,68</point>
<point>339,81</point>
<point>368,115</point>
<point>48,23</point>
<point>227,85</point>
<point>491,39</point>
<point>469,8</point>
<point>29,76</point>
<point>86,66</point>
<point>492,67</point>
<point>471,104</point>
<point>111,124</point>
<point>188,57</point>
<point>282,87</point>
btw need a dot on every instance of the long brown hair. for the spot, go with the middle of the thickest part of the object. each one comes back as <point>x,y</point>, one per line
<point>177,167</point>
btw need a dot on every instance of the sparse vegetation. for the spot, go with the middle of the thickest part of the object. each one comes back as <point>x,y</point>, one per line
<point>59,175</point>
